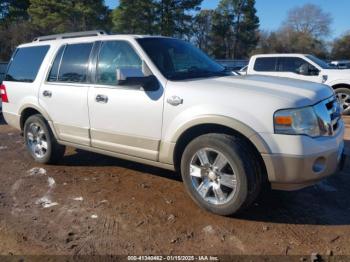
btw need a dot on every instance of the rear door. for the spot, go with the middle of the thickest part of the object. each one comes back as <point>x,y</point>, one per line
<point>64,93</point>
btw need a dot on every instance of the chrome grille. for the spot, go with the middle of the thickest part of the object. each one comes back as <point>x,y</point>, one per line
<point>329,115</point>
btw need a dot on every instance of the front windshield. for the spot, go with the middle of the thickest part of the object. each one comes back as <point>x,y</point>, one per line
<point>319,62</point>
<point>179,60</point>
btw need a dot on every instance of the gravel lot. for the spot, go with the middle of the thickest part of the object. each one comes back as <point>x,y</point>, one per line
<point>93,204</point>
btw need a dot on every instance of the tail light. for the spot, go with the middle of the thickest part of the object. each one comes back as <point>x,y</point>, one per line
<point>3,93</point>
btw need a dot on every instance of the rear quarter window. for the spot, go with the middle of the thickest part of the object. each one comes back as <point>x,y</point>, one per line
<point>26,63</point>
<point>265,64</point>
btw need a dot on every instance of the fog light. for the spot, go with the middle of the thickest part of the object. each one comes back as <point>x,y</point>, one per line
<point>319,165</point>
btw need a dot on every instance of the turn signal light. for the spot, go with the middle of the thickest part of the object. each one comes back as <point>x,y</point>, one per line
<point>284,120</point>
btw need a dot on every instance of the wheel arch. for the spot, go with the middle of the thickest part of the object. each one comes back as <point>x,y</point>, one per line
<point>336,86</point>
<point>28,110</point>
<point>215,124</point>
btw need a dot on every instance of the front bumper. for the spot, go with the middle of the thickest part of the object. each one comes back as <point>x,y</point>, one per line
<point>313,160</point>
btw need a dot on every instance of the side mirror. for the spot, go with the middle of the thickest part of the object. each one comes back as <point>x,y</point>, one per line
<point>137,77</point>
<point>313,71</point>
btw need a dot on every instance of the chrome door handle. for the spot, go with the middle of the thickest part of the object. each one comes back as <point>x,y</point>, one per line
<point>101,99</point>
<point>47,93</point>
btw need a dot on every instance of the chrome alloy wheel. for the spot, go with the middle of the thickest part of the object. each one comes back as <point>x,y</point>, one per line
<point>213,176</point>
<point>344,100</point>
<point>36,140</point>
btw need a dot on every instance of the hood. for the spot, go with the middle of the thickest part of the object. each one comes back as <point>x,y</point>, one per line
<point>342,73</point>
<point>294,93</point>
<point>250,99</point>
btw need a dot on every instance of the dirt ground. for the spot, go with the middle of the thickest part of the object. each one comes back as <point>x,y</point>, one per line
<point>93,204</point>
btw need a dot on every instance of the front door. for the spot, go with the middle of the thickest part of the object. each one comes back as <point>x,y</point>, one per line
<point>124,119</point>
<point>297,68</point>
<point>64,94</point>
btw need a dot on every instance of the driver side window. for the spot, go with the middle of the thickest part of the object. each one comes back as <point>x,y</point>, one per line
<point>295,65</point>
<point>115,55</point>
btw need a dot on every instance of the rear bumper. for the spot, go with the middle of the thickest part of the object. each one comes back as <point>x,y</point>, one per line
<point>288,171</point>
<point>12,120</point>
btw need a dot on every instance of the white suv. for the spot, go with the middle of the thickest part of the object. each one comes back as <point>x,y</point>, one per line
<point>307,68</point>
<point>161,101</point>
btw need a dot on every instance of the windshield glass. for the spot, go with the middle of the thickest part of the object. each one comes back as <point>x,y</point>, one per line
<point>319,62</point>
<point>179,60</point>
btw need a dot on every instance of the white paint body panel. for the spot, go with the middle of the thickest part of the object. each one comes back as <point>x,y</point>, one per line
<point>129,112</point>
<point>68,109</point>
<point>238,97</point>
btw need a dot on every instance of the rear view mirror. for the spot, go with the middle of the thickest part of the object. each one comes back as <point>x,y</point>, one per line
<point>137,77</point>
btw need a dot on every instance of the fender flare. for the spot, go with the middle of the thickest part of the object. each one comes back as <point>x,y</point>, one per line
<point>228,122</point>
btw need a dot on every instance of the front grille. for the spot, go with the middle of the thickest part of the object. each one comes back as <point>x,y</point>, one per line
<point>333,108</point>
<point>329,115</point>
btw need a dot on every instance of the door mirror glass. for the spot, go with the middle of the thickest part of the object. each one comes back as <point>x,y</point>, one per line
<point>137,77</point>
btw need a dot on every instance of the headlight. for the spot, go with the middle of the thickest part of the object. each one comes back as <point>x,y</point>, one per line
<point>302,121</point>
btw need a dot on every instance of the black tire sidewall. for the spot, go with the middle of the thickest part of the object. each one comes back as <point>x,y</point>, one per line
<point>225,145</point>
<point>344,90</point>
<point>40,121</point>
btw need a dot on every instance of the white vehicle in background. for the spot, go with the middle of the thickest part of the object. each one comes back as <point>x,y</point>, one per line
<point>341,64</point>
<point>161,101</point>
<point>304,67</point>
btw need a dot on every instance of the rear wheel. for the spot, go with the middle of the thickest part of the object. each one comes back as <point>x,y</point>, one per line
<point>220,173</point>
<point>343,95</point>
<point>41,142</point>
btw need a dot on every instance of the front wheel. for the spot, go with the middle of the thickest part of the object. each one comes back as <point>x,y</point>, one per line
<point>220,173</point>
<point>343,95</point>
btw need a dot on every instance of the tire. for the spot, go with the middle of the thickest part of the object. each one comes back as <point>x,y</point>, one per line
<point>40,141</point>
<point>242,164</point>
<point>343,94</point>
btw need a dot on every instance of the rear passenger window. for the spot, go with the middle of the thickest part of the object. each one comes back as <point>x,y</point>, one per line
<point>26,63</point>
<point>74,63</point>
<point>267,64</point>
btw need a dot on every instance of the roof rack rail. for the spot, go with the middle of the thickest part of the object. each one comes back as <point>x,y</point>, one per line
<point>70,35</point>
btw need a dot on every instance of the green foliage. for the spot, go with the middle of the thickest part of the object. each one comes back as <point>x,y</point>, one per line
<point>58,16</point>
<point>13,10</point>
<point>202,27</point>
<point>229,31</point>
<point>164,17</point>
<point>14,26</point>
<point>135,17</point>
<point>341,47</point>
<point>175,16</point>
<point>235,29</point>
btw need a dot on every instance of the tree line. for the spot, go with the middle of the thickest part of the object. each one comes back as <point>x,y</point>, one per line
<point>230,31</point>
